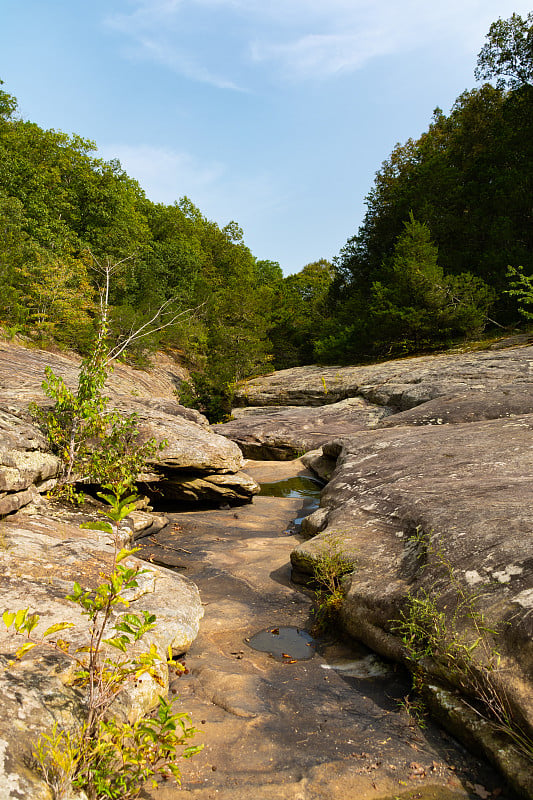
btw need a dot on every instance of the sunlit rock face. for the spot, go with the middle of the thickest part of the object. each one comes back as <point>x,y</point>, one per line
<point>41,555</point>
<point>292,411</point>
<point>441,511</point>
<point>192,452</point>
<point>400,384</point>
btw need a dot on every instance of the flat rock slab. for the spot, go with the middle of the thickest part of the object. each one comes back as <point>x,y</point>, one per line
<point>41,556</point>
<point>284,432</point>
<point>414,506</point>
<point>318,729</point>
<point>471,406</point>
<point>399,384</point>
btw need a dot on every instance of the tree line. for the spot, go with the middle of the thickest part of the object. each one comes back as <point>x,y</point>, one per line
<point>446,216</point>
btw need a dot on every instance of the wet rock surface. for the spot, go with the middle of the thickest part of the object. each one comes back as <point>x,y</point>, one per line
<point>316,729</point>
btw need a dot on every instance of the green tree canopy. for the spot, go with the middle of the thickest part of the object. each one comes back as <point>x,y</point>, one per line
<point>508,53</point>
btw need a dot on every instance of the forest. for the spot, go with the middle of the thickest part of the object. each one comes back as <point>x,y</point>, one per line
<point>444,252</point>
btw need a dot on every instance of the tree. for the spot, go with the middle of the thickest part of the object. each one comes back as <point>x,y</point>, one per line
<point>8,104</point>
<point>522,289</point>
<point>300,314</point>
<point>418,306</point>
<point>508,53</point>
<point>96,444</point>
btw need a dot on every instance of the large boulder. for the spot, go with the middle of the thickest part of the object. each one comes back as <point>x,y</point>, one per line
<point>399,384</point>
<point>284,432</point>
<point>192,451</point>
<point>41,556</point>
<point>442,513</point>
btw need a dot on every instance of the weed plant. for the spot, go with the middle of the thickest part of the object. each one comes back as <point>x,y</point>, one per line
<point>460,646</point>
<point>330,565</point>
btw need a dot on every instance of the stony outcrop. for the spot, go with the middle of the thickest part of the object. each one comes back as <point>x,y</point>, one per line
<point>399,384</point>
<point>440,511</point>
<point>41,556</point>
<point>282,433</point>
<point>25,467</point>
<point>196,465</point>
<point>471,406</point>
<point>300,409</point>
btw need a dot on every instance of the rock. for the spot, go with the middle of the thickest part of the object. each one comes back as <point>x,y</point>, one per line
<point>314,523</point>
<point>278,432</point>
<point>471,406</point>
<point>419,391</point>
<point>41,557</point>
<point>320,464</point>
<point>190,488</point>
<point>25,467</point>
<point>399,384</point>
<point>443,510</point>
<point>193,451</point>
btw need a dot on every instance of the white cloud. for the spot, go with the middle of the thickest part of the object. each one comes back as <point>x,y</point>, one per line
<point>300,39</point>
<point>323,55</point>
<point>165,174</point>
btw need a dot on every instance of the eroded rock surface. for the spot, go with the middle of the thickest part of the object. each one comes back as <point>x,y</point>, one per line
<point>193,452</point>
<point>296,410</point>
<point>41,556</point>
<point>284,432</point>
<point>399,384</point>
<point>283,729</point>
<point>442,510</point>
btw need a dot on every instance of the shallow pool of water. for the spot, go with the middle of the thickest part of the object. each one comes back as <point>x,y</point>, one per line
<point>300,486</point>
<point>284,643</point>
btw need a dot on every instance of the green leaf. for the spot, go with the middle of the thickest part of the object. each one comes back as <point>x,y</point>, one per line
<point>59,626</point>
<point>120,643</point>
<point>20,617</point>
<point>8,618</point>
<point>124,552</point>
<point>98,526</point>
<point>25,648</point>
<point>31,623</point>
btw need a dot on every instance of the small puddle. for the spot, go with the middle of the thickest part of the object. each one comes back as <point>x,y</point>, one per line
<point>300,486</point>
<point>307,488</point>
<point>284,644</point>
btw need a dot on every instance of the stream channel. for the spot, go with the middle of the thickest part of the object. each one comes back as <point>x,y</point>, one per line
<point>297,718</point>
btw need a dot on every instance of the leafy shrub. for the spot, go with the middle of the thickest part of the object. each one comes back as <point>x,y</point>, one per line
<point>105,756</point>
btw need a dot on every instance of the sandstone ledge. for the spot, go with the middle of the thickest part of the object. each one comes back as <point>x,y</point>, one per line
<point>412,506</point>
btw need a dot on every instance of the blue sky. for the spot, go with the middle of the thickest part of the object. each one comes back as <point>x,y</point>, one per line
<point>273,113</point>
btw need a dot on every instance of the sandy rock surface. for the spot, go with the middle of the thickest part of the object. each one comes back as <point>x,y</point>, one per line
<point>444,510</point>
<point>41,555</point>
<point>191,448</point>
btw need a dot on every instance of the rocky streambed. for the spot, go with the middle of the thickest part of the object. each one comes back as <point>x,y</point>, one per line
<point>328,725</point>
<point>429,464</point>
<point>430,469</point>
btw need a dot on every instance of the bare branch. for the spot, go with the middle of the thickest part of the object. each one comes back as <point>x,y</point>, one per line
<point>146,330</point>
